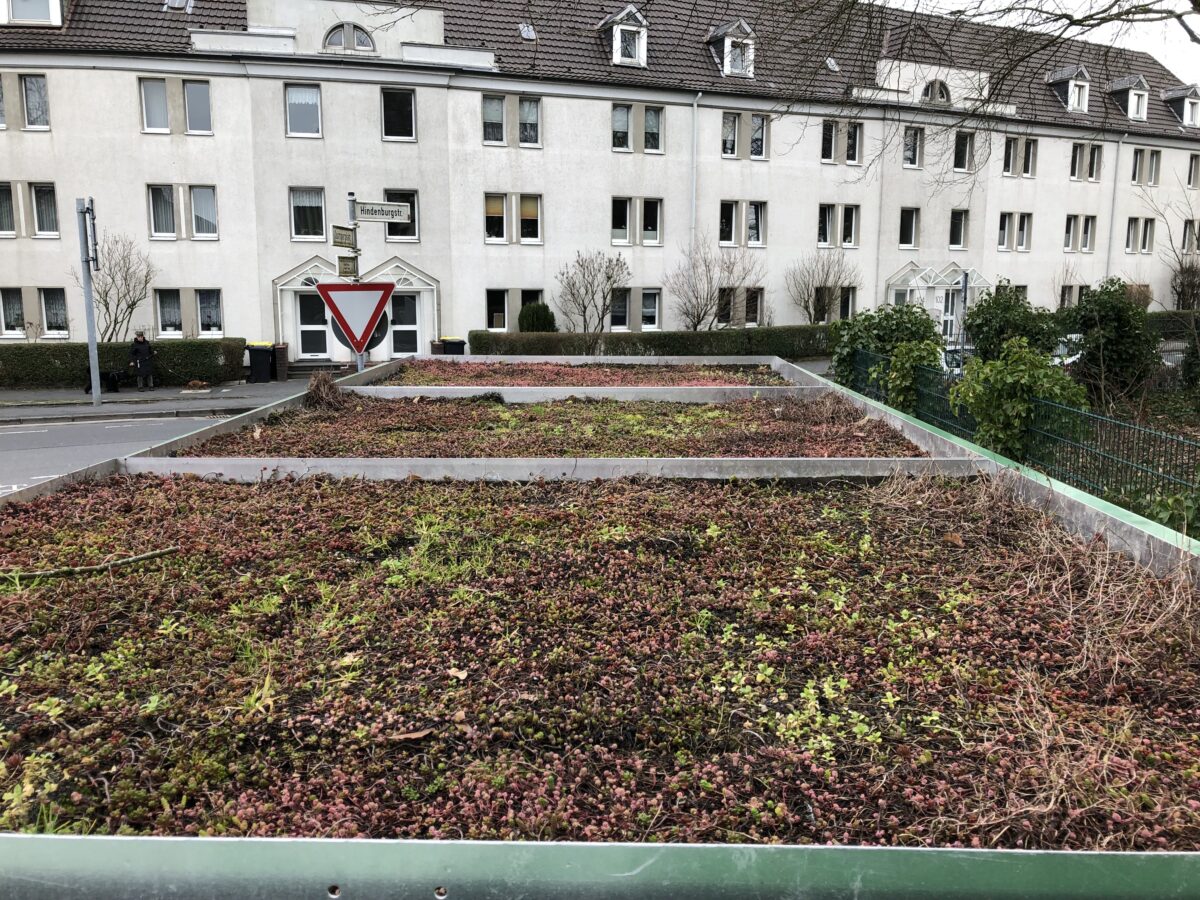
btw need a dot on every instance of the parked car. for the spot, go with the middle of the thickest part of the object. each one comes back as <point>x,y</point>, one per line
<point>954,358</point>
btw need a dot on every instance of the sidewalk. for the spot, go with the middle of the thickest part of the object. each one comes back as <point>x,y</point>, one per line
<point>66,405</point>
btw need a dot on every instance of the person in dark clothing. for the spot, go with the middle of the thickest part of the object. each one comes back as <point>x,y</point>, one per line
<point>141,360</point>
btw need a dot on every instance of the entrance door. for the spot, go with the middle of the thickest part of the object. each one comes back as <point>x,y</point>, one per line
<point>404,324</point>
<point>314,327</point>
<point>950,314</point>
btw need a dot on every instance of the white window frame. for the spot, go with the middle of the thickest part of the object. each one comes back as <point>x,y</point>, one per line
<point>1191,113</point>
<point>163,235</point>
<point>657,326</point>
<point>662,128</point>
<point>37,225</point>
<point>737,135</point>
<point>490,327</point>
<point>612,306</point>
<point>200,330</point>
<point>541,235</point>
<point>1004,241</point>
<point>412,118</point>
<point>766,131</point>
<point>503,239</point>
<point>287,111</point>
<point>187,107</point>
<point>733,226</point>
<point>503,142</point>
<point>1132,229</point>
<point>198,235</point>
<point>963,231</point>
<point>656,242</point>
<point>919,147</point>
<point>414,214</point>
<point>22,80</point>
<point>3,109</point>
<point>1193,178</point>
<point>1082,88</point>
<point>1146,244</point>
<point>161,332</point>
<point>1024,235</point>
<point>1029,158</point>
<point>1087,235</point>
<point>627,147</point>
<point>916,228</point>
<point>1191,236</point>
<point>537,105</point>
<point>762,223</point>
<point>970,148</point>
<point>747,70</point>
<point>856,129</point>
<point>854,211</point>
<point>1076,170</point>
<point>324,236</point>
<point>830,126</point>
<point>1095,162</point>
<point>1154,170</point>
<point>6,329</point>
<point>628,239</point>
<point>829,221</point>
<point>349,43</point>
<point>54,8</point>
<point>639,57</point>
<point>146,129</point>
<point>758,313</point>
<point>1139,166</point>
<point>12,201</point>
<point>47,333</point>
<point>1009,161</point>
<point>1139,105</point>
<point>1071,234</point>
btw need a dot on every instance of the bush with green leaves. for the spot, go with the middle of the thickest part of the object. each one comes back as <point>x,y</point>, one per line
<point>1118,351</point>
<point>881,332</point>
<point>901,378</point>
<point>1005,313</point>
<point>65,364</point>
<point>1000,395</point>
<point>536,318</point>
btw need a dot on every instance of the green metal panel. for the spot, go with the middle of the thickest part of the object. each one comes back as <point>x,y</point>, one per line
<point>63,868</point>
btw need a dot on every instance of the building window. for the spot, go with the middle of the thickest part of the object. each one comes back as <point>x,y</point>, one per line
<point>497,310</point>
<point>493,119</point>
<point>756,223</point>
<point>620,127</point>
<point>154,105</point>
<point>3,121</point>
<point>530,296</point>
<point>12,312</point>
<point>208,307</point>
<point>729,134</point>
<point>1024,231</point>
<point>724,306</point>
<point>45,210</point>
<point>1095,157</point>
<point>1193,176</point>
<point>1076,161</point>
<point>914,147</point>
<point>493,217</point>
<point>847,303</point>
<point>303,110</point>
<point>650,303</point>
<point>399,115</point>
<point>204,210</point>
<point>32,11</point>
<point>620,220</point>
<point>1138,101</point>
<point>854,133</point>
<point>936,92</point>
<point>1155,166</point>
<point>829,130</point>
<point>1139,162</point>
<point>849,226</point>
<point>958,229</point>
<point>1147,244</point>
<point>739,57</point>
<point>197,107</point>
<point>8,217</point>
<point>1004,242</point>
<point>618,316</point>
<point>170,313</point>
<point>308,214</point>
<point>909,227</point>
<point>1029,163</point>
<point>54,311</point>
<point>1190,236</point>
<point>162,210</point>
<point>404,231</point>
<point>529,112</point>
<point>1088,239</point>
<point>964,151</point>
<point>758,137</point>
<point>1078,95</point>
<point>726,228</point>
<point>348,36</point>
<point>825,213</point>
<point>1070,234</point>
<point>629,46</point>
<point>1131,235</point>
<point>652,134</point>
<point>531,219</point>
<point>37,101</point>
<point>652,222</point>
<point>1191,113</point>
<point>1010,156</point>
<point>754,305</point>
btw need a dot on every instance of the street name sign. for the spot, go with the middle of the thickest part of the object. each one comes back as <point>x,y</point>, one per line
<point>383,212</point>
<point>357,308</point>
<point>344,237</point>
<point>347,266</point>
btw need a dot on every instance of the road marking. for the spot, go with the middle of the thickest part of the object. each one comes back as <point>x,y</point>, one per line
<point>129,425</point>
<point>39,431</point>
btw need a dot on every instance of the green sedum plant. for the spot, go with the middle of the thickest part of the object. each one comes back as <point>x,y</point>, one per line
<point>537,318</point>
<point>881,332</point>
<point>1005,313</point>
<point>1000,395</point>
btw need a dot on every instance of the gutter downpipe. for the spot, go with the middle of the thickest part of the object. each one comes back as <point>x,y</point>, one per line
<point>695,160</point>
<point>1112,210</point>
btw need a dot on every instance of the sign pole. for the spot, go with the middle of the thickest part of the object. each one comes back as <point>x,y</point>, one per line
<point>356,252</point>
<point>89,258</point>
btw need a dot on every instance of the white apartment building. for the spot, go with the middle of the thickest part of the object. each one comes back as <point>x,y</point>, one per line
<point>225,136</point>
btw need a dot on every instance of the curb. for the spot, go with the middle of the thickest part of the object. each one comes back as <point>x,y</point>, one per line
<point>207,412</point>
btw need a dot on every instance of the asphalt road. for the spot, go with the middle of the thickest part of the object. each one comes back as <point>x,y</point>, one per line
<point>35,452</point>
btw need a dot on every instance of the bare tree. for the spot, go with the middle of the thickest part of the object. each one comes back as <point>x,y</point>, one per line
<point>122,284</point>
<point>812,281</point>
<point>585,291</point>
<point>708,275</point>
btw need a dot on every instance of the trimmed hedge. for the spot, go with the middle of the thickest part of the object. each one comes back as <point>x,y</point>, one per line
<point>33,365</point>
<point>786,341</point>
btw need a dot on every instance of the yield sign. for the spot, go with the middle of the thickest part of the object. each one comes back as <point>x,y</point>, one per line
<point>357,308</point>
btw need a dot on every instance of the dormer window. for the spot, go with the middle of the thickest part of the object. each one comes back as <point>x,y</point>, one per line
<point>348,36</point>
<point>1191,113</point>
<point>31,12</point>
<point>1184,101</point>
<point>732,45</point>
<point>1138,101</point>
<point>1078,94</point>
<point>629,30</point>
<point>936,92</point>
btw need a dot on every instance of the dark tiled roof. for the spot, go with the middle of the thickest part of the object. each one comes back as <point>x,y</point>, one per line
<point>140,26</point>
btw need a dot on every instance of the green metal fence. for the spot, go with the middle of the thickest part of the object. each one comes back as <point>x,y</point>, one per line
<point>1120,461</point>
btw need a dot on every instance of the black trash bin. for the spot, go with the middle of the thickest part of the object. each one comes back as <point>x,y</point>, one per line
<point>453,346</point>
<point>261,358</point>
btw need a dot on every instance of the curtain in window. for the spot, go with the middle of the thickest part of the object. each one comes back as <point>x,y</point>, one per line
<point>154,102</point>
<point>529,217</point>
<point>304,109</point>
<point>45,209</point>
<point>529,121</point>
<point>12,313</point>
<point>37,100</point>
<point>54,308</point>
<point>170,315</point>
<point>308,218</point>
<point>204,210</point>
<point>649,309</point>
<point>209,303</point>
<point>7,217</point>
<point>493,119</point>
<point>653,128</point>
<point>162,209</point>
